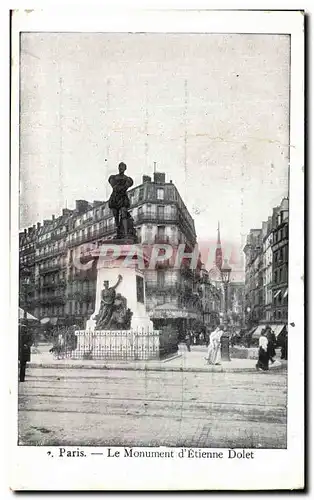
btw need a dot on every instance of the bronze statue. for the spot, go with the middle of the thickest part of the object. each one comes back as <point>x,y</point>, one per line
<point>119,201</point>
<point>113,312</point>
<point>108,295</point>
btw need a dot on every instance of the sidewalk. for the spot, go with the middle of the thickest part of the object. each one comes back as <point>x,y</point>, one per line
<point>184,361</point>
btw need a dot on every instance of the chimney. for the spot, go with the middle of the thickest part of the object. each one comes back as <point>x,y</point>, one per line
<point>66,211</point>
<point>159,177</point>
<point>25,231</point>
<point>38,225</point>
<point>81,206</point>
<point>146,178</point>
<point>170,181</point>
<point>46,221</point>
<point>53,217</point>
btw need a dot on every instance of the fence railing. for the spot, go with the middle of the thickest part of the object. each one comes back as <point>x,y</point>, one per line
<point>124,345</point>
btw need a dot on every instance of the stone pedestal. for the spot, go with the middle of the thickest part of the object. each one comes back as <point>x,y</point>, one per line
<point>132,285</point>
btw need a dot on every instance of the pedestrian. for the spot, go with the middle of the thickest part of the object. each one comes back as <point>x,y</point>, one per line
<point>188,341</point>
<point>201,337</point>
<point>284,347</point>
<point>213,352</point>
<point>271,337</point>
<point>263,353</point>
<point>25,342</point>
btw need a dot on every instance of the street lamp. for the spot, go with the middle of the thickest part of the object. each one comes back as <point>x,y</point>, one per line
<point>248,317</point>
<point>225,272</point>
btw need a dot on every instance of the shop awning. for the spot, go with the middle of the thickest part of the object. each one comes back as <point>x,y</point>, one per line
<point>252,330</point>
<point>258,331</point>
<point>170,311</point>
<point>277,329</point>
<point>28,315</point>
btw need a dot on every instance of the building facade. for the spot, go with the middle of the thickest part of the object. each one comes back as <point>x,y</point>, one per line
<point>254,299</point>
<point>27,248</point>
<point>267,236</point>
<point>266,269</point>
<point>280,251</point>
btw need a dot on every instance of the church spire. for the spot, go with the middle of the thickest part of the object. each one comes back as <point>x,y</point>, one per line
<point>218,259</point>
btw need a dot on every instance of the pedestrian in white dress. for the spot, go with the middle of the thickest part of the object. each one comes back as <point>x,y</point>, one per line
<point>213,352</point>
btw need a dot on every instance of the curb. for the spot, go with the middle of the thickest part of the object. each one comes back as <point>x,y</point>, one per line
<point>209,369</point>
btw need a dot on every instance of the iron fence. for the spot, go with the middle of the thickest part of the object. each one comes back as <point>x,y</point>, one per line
<point>121,345</point>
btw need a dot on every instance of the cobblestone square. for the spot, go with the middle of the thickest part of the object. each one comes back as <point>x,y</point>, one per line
<point>89,407</point>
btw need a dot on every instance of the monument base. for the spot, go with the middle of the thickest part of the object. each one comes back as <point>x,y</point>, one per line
<point>122,275</point>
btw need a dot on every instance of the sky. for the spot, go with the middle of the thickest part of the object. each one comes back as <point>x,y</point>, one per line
<point>211,110</point>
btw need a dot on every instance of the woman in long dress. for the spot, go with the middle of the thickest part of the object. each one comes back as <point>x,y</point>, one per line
<point>213,353</point>
<point>263,353</point>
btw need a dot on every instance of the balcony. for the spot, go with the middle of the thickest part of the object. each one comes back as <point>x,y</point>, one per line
<point>53,284</point>
<point>50,269</point>
<point>53,237</point>
<point>155,217</point>
<point>92,235</point>
<point>82,296</point>
<point>51,253</point>
<point>156,287</point>
<point>50,298</point>
<point>162,239</point>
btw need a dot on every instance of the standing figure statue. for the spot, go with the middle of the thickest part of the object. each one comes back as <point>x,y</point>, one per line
<point>119,201</point>
<point>107,304</point>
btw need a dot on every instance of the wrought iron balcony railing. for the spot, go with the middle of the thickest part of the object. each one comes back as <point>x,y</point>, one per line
<point>92,235</point>
<point>51,253</point>
<point>51,268</point>
<point>155,286</point>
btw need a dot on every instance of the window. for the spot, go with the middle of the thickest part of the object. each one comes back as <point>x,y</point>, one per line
<point>140,289</point>
<point>161,211</point>
<point>160,194</point>
<point>161,232</point>
<point>141,194</point>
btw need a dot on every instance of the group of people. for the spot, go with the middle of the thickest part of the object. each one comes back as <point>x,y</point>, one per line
<point>266,351</point>
<point>193,338</point>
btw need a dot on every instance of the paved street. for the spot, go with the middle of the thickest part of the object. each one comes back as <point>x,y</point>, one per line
<point>139,408</point>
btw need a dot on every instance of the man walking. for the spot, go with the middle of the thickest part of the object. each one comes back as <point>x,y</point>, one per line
<point>25,342</point>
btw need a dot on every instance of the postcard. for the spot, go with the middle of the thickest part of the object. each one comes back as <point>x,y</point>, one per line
<point>157,209</point>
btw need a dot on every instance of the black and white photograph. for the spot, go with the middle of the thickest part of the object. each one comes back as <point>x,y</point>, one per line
<point>155,267</point>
